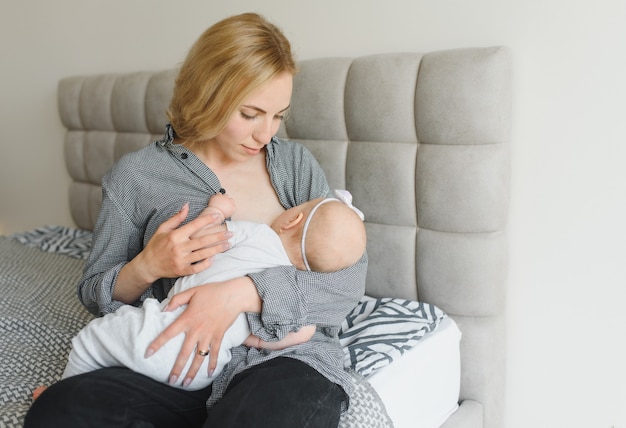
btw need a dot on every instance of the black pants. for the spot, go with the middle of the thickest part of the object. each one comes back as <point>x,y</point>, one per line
<point>282,392</point>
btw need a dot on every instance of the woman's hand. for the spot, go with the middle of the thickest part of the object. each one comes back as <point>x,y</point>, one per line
<point>211,310</point>
<point>172,252</point>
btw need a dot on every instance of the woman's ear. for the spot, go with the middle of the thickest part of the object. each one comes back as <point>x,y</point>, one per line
<point>293,222</point>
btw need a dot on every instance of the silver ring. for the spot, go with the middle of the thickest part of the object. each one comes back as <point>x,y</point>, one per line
<point>203,353</point>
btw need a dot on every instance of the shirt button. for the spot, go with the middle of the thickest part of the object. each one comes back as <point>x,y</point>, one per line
<point>183,156</point>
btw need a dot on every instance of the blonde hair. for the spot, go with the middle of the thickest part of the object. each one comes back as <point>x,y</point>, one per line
<point>229,61</point>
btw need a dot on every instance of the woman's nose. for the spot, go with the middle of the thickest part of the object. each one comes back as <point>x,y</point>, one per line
<point>265,131</point>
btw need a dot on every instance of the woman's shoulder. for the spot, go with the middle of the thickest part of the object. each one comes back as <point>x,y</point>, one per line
<point>145,157</point>
<point>147,160</point>
<point>287,149</point>
<point>295,173</point>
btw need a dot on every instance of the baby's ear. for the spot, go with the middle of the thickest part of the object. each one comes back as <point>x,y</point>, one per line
<point>293,222</point>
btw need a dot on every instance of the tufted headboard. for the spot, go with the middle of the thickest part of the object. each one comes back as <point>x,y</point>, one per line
<point>421,141</point>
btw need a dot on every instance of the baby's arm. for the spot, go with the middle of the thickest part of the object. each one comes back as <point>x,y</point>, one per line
<point>294,338</point>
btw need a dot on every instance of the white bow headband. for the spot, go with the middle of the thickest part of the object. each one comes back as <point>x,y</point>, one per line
<point>342,196</point>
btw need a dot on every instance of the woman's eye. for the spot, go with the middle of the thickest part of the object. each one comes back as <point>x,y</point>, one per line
<point>280,117</point>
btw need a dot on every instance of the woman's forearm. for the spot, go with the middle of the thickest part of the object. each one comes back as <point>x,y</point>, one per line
<point>293,299</point>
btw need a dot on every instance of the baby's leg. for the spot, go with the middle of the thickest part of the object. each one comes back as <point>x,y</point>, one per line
<point>118,339</point>
<point>38,391</point>
<point>122,338</point>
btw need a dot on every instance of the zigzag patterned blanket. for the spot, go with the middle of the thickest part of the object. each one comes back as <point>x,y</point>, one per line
<point>40,313</point>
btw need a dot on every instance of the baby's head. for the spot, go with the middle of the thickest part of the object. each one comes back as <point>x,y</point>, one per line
<point>322,235</point>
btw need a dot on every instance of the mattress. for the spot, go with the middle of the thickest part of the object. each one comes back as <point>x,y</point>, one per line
<point>421,388</point>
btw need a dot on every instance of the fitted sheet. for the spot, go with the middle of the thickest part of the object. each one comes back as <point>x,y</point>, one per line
<point>421,388</point>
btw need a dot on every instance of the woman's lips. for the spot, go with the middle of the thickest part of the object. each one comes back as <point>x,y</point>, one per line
<point>251,151</point>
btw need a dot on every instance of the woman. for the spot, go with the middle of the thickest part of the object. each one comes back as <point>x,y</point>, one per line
<point>230,96</point>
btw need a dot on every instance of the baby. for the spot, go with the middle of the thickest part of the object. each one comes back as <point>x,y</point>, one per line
<point>322,235</point>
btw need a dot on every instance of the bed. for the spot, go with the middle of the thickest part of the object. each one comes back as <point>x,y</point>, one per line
<point>421,141</point>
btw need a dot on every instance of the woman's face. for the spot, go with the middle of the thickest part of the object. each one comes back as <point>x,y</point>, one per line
<point>256,121</point>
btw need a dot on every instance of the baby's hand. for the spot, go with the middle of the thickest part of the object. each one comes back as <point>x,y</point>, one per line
<point>293,338</point>
<point>218,204</point>
<point>224,203</point>
<point>253,341</point>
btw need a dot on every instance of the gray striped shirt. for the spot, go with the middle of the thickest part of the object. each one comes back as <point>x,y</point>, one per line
<point>145,188</point>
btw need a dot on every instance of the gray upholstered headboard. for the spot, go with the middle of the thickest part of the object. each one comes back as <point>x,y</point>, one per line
<point>421,141</point>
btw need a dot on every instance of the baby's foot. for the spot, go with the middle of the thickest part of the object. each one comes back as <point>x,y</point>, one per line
<point>38,391</point>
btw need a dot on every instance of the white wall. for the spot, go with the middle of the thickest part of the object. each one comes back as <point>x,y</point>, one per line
<point>568,233</point>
